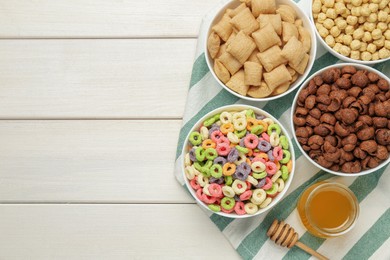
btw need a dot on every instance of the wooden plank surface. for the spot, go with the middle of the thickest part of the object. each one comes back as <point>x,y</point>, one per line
<point>110,232</point>
<point>94,78</point>
<point>102,19</point>
<point>123,161</point>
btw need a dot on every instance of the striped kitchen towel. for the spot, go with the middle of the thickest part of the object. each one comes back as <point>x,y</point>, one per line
<point>370,238</point>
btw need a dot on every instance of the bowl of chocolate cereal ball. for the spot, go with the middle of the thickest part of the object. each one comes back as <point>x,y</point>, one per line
<point>260,50</point>
<point>353,30</point>
<point>341,119</point>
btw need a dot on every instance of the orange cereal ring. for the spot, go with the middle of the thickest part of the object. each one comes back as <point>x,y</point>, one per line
<point>208,143</point>
<point>277,164</point>
<point>289,166</point>
<point>251,122</point>
<point>263,155</point>
<point>228,169</point>
<point>264,124</point>
<point>250,152</point>
<point>248,161</point>
<point>226,128</point>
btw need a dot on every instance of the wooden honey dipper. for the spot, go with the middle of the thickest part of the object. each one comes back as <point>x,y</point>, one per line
<point>284,235</point>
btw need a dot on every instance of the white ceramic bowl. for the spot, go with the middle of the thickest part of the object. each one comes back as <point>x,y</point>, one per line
<point>306,23</point>
<point>294,105</point>
<point>258,112</point>
<point>335,53</point>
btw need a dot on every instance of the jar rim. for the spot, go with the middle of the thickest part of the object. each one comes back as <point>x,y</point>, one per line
<point>354,203</point>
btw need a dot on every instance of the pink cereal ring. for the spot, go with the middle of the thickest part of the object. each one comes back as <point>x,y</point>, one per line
<point>227,211</point>
<point>208,199</point>
<point>215,190</point>
<point>277,153</point>
<point>248,185</point>
<point>258,159</point>
<point>270,168</point>
<point>218,201</point>
<point>246,195</point>
<point>194,184</point>
<point>223,149</point>
<point>199,193</point>
<point>239,208</point>
<point>223,139</point>
<point>251,141</point>
<point>265,136</point>
<point>216,135</point>
<point>268,184</point>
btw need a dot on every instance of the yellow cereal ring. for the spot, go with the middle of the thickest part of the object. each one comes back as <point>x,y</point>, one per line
<point>208,143</point>
<point>251,122</point>
<point>289,166</point>
<point>264,124</point>
<point>228,169</point>
<point>226,128</point>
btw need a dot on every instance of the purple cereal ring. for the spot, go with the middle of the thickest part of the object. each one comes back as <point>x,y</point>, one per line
<point>233,155</point>
<point>192,155</point>
<point>242,142</point>
<point>216,180</point>
<point>270,156</point>
<point>220,160</point>
<point>264,146</point>
<point>244,167</point>
<point>261,183</point>
<point>260,117</point>
<point>240,174</point>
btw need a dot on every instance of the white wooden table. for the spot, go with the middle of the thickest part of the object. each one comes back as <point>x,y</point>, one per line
<point>84,174</point>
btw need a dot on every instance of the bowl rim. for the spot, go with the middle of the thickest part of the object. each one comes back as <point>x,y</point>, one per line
<point>335,53</point>
<point>237,107</point>
<point>294,105</point>
<point>301,78</point>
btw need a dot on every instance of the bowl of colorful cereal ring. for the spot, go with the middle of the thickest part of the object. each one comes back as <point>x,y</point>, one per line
<point>238,161</point>
<point>260,50</point>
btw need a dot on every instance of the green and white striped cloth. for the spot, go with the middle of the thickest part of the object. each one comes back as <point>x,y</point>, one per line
<point>370,238</point>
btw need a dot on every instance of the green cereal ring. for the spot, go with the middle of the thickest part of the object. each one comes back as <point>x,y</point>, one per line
<point>208,164</point>
<point>250,113</point>
<point>228,180</point>
<point>214,207</point>
<point>211,153</point>
<point>200,154</point>
<point>228,203</point>
<point>284,170</point>
<point>205,171</point>
<point>273,190</point>
<point>274,127</point>
<point>198,166</point>
<point>241,133</point>
<point>259,175</point>
<point>209,121</point>
<point>242,149</point>
<point>286,157</point>
<point>257,129</point>
<point>195,138</point>
<point>284,142</point>
<point>216,171</point>
<point>216,117</point>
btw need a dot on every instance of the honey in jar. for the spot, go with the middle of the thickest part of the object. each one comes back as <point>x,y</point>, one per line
<point>328,209</point>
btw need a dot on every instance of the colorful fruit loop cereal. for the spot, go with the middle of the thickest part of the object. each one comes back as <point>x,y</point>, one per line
<point>238,162</point>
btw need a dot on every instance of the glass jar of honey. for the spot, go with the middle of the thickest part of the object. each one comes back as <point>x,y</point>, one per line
<point>328,209</point>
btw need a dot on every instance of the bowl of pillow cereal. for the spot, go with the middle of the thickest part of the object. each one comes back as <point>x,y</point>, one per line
<point>353,30</point>
<point>238,161</point>
<point>260,50</point>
